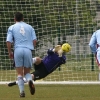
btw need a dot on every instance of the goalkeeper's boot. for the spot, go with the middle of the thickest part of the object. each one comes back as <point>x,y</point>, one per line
<point>31,87</point>
<point>22,94</point>
<point>11,84</point>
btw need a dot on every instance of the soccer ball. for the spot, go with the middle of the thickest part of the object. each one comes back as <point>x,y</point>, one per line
<point>66,47</point>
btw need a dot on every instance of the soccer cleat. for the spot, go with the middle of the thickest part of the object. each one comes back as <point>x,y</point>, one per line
<point>31,87</point>
<point>22,94</point>
<point>11,84</point>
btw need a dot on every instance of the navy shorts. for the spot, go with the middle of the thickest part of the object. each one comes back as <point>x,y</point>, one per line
<point>40,71</point>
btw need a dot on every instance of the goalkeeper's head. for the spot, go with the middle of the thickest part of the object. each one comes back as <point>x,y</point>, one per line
<point>66,47</point>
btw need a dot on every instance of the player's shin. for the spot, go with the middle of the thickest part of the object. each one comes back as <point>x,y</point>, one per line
<point>21,84</point>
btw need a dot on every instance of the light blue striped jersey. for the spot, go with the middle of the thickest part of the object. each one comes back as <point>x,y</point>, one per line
<point>95,41</point>
<point>21,34</point>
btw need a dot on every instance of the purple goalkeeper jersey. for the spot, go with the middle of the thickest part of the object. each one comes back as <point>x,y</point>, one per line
<point>52,61</point>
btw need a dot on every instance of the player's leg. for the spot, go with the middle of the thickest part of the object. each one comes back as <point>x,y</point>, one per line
<point>28,78</point>
<point>98,62</point>
<point>36,61</point>
<point>16,82</point>
<point>18,57</point>
<point>20,81</point>
<point>40,72</point>
<point>27,68</point>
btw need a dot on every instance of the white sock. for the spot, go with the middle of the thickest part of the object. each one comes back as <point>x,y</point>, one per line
<point>25,81</point>
<point>21,83</point>
<point>34,60</point>
<point>28,76</point>
<point>17,82</point>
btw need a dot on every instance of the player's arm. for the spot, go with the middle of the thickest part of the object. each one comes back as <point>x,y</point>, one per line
<point>9,46</point>
<point>34,42</point>
<point>9,41</point>
<point>56,49</point>
<point>60,49</point>
<point>34,38</point>
<point>93,43</point>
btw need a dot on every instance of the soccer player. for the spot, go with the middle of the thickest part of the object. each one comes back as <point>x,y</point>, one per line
<point>43,67</point>
<point>23,37</point>
<point>95,47</point>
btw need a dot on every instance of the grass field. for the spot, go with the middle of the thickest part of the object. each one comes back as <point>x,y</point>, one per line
<point>53,92</point>
<point>71,71</point>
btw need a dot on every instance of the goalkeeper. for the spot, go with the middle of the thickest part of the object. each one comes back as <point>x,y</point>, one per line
<point>43,67</point>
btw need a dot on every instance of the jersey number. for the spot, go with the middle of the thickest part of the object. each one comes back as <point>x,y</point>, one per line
<point>22,31</point>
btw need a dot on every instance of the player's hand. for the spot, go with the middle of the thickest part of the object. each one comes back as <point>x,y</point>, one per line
<point>59,50</point>
<point>11,55</point>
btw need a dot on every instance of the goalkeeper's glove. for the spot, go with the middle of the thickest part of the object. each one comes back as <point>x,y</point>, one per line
<point>58,49</point>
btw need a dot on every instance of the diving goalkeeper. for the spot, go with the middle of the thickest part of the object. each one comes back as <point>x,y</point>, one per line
<point>43,67</point>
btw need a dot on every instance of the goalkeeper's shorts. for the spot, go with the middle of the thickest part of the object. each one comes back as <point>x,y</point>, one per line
<point>40,71</point>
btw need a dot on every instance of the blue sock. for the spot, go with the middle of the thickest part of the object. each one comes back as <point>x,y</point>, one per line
<point>20,83</point>
<point>28,76</point>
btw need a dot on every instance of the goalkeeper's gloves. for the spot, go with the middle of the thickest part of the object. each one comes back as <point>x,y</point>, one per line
<point>58,49</point>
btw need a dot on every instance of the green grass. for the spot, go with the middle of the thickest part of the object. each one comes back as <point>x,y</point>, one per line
<point>53,92</point>
<point>71,71</point>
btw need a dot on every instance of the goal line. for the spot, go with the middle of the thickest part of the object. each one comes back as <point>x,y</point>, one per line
<point>62,82</point>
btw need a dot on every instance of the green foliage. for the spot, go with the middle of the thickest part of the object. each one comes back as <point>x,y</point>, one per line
<point>47,15</point>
